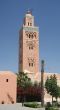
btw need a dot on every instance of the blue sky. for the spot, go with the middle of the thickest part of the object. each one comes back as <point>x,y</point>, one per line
<point>47,17</point>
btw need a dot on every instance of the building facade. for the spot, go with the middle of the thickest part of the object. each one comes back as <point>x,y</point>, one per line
<point>29,45</point>
<point>8,87</point>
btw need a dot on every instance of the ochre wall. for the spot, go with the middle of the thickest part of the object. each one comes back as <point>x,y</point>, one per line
<point>8,86</point>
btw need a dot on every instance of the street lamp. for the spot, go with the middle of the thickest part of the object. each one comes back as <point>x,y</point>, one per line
<point>42,83</point>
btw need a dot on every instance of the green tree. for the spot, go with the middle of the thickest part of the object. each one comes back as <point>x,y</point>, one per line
<point>36,84</point>
<point>51,86</point>
<point>23,80</point>
<point>57,92</point>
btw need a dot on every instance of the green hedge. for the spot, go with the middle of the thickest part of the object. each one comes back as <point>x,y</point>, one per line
<point>32,104</point>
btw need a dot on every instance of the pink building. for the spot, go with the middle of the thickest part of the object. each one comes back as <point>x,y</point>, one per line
<point>8,85</point>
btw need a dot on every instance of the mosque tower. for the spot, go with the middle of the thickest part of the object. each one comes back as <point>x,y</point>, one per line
<point>29,45</point>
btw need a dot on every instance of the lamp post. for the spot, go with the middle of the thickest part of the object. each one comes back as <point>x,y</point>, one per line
<point>42,83</point>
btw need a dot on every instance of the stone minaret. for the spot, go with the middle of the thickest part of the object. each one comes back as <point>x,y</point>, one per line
<point>29,45</point>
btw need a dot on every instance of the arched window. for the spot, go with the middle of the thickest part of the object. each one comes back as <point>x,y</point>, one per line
<point>31,62</point>
<point>28,23</point>
<point>6,80</point>
<point>29,35</point>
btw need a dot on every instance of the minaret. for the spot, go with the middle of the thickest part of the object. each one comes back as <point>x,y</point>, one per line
<point>29,45</point>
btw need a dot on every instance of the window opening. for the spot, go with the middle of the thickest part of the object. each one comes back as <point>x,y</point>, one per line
<point>29,35</point>
<point>29,64</point>
<point>6,80</point>
<point>28,23</point>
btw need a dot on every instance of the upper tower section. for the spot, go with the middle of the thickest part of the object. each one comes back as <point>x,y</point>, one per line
<point>29,19</point>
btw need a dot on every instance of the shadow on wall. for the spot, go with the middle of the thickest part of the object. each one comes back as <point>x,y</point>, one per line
<point>10,98</point>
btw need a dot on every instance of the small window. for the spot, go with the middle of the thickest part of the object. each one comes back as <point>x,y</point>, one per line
<point>32,36</point>
<point>29,64</point>
<point>6,80</point>
<point>29,35</point>
<point>29,47</point>
<point>28,23</point>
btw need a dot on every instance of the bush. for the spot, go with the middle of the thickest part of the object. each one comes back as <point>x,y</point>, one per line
<point>32,105</point>
<point>58,104</point>
<point>55,103</point>
<point>48,104</point>
<point>51,108</point>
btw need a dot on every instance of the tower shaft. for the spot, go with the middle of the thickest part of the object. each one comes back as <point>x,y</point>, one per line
<point>29,46</point>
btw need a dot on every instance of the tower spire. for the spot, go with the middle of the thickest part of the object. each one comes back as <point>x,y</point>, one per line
<point>29,11</point>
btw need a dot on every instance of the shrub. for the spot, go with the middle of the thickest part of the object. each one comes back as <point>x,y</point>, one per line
<point>48,104</point>
<point>51,108</point>
<point>58,104</point>
<point>32,105</point>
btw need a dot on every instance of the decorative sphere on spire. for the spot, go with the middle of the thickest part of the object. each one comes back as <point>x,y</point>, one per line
<point>29,12</point>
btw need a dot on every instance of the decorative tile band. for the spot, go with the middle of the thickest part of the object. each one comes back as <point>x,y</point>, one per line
<point>31,29</point>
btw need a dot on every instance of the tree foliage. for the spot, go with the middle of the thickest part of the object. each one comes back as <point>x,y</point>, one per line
<point>23,80</point>
<point>52,87</point>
